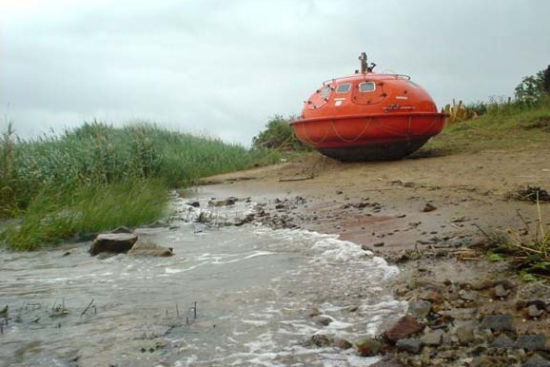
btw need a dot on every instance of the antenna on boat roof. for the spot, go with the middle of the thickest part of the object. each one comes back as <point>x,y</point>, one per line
<point>364,65</point>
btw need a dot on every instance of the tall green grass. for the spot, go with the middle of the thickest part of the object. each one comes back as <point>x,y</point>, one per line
<point>97,177</point>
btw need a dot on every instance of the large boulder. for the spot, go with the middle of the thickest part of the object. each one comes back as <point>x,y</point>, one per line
<point>113,242</point>
<point>144,248</point>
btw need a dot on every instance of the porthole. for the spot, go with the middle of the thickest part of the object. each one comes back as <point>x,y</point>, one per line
<point>343,88</point>
<point>367,87</point>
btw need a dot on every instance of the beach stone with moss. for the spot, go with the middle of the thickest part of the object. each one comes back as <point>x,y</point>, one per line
<point>368,347</point>
<point>116,243</point>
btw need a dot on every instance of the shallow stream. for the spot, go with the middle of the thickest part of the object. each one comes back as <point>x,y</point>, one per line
<point>252,287</point>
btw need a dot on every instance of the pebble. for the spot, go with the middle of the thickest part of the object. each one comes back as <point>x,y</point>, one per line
<point>410,345</point>
<point>403,328</point>
<point>432,296</point>
<point>469,296</point>
<point>322,320</point>
<point>433,338</point>
<point>420,309</point>
<point>429,208</point>
<point>503,341</point>
<point>368,347</point>
<point>497,322</point>
<point>465,334</point>
<point>342,343</point>
<point>536,361</point>
<point>500,291</point>
<point>533,311</point>
<point>313,311</point>
<point>531,342</point>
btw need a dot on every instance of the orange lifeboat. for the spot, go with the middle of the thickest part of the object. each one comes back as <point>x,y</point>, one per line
<point>368,116</point>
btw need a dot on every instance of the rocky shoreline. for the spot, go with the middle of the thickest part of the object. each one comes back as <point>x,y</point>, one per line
<point>463,310</point>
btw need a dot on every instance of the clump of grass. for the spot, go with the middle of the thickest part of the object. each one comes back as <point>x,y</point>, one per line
<point>97,177</point>
<point>56,215</point>
<point>528,248</point>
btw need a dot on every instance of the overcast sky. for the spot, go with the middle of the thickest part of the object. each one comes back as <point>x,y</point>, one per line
<point>222,67</point>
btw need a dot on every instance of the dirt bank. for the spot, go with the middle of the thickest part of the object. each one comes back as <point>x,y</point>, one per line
<point>429,214</point>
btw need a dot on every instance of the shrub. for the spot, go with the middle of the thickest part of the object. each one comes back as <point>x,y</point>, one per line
<point>532,89</point>
<point>278,134</point>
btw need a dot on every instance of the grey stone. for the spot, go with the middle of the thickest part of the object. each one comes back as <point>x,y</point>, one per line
<point>321,340</point>
<point>497,322</point>
<point>536,361</point>
<point>531,342</point>
<point>312,311</point>
<point>469,296</point>
<point>342,343</point>
<point>465,334</point>
<point>322,320</point>
<point>410,345</point>
<point>500,291</point>
<point>433,338</point>
<point>420,309</point>
<point>113,243</point>
<point>194,204</point>
<point>533,311</point>
<point>503,341</point>
<point>461,313</point>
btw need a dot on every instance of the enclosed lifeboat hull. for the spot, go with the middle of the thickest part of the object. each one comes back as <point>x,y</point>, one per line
<point>368,116</point>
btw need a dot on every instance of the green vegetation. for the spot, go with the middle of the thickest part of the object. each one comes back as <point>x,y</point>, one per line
<point>499,123</point>
<point>98,177</point>
<point>528,249</point>
<point>502,126</point>
<point>278,134</point>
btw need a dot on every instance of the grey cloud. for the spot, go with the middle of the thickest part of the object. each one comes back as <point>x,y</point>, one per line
<point>225,66</point>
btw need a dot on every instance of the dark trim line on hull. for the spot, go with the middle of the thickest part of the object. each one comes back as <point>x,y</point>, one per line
<point>375,151</point>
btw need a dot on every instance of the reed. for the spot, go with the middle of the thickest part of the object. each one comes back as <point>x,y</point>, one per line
<point>97,177</point>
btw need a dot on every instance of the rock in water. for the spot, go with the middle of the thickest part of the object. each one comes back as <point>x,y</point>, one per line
<point>368,347</point>
<point>341,343</point>
<point>321,340</point>
<point>113,242</point>
<point>149,249</point>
